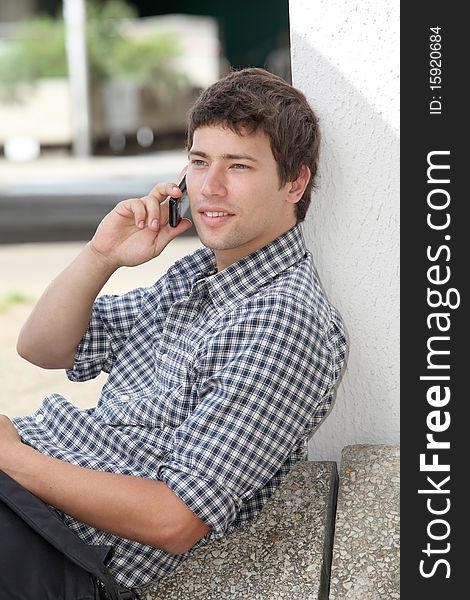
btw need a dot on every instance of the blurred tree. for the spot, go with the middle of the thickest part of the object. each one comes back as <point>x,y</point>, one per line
<point>38,51</point>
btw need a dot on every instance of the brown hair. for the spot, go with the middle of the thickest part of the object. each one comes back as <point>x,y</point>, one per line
<point>252,99</point>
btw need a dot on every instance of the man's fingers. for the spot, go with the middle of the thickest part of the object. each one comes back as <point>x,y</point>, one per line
<point>157,212</point>
<point>152,210</point>
<point>157,204</point>
<point>133,208</point>
<point>168,233</point>
<point>162,190</point>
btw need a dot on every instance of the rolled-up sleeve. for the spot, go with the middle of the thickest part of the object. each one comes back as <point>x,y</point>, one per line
<point>264,383</point>
<point>111,321</point>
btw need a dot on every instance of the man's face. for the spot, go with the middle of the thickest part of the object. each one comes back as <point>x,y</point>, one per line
<point>233,187</point>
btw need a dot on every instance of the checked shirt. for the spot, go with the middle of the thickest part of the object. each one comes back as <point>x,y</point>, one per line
<point>216,381</point>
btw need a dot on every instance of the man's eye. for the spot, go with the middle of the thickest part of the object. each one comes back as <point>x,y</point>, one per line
<point>198,163</point>
<point>240,166</point>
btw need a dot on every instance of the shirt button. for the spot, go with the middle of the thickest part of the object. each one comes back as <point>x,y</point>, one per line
<point>124,397</point>
<point>164,357</point>
<point>39,418</point>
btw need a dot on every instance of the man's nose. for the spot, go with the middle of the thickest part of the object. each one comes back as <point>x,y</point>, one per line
<point>214,183</point>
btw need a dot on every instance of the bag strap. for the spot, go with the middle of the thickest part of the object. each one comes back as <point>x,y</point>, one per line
<point>46,523</point>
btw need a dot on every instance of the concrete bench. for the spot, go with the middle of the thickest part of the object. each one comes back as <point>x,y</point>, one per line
<point>366,544</point>
<point>285,554</point>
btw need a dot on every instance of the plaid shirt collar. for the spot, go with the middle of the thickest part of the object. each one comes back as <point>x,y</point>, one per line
<point>240,279</point>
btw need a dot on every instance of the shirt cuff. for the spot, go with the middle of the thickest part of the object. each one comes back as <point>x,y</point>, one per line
<point>202,496</point>
<point>91,354</point>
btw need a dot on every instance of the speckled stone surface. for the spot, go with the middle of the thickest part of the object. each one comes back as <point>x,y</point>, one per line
<point>284,555</point>
<point>366,548</point>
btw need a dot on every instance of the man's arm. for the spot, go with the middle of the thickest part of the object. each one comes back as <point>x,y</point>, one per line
<point>50,336</point>
<point>139,509</point>
<point>131,234</point>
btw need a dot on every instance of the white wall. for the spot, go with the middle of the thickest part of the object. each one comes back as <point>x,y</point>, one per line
<point>345,57</point>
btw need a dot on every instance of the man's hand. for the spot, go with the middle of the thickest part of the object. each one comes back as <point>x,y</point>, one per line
<point>137,230</point>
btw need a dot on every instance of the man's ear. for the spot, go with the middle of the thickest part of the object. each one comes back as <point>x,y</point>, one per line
<point>296,188</point>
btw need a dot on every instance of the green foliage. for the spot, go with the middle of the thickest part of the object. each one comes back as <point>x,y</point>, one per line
<point>140,60</point>
<point>111,55</point>
<point>39,49</point>
<point>12,299</point>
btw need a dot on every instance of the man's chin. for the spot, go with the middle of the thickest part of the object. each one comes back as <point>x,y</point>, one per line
<point>210,239</point>
<point>216,241</point>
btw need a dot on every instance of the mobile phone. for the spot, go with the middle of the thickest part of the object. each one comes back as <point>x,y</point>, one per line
<point>178,206</point>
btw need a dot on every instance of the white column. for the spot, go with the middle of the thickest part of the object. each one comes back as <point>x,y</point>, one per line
<point>75,26</point>
<point>345,58</point>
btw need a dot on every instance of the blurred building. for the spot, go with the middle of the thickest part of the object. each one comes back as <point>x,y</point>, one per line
<point>129,118</point>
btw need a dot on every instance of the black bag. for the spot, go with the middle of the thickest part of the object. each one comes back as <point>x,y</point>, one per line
<point>42,559</point>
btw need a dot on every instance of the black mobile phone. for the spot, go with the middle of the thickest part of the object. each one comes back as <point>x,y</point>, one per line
<point>178,206</point>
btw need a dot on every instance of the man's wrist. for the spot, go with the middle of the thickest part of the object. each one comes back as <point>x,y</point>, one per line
<point>102,263</point>
<point>15,459</point>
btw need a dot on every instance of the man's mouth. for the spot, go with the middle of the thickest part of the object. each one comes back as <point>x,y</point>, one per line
<point>214,217</point>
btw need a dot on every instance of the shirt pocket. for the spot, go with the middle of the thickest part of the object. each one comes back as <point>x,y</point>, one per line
<point>172,365</point>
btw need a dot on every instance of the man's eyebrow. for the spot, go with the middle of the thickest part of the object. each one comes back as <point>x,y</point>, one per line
<point>224,156</point>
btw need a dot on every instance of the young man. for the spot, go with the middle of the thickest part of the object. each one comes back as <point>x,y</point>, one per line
<point>218,373</point>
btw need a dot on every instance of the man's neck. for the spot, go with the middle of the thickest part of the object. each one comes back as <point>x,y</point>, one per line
<point>225,258</point>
